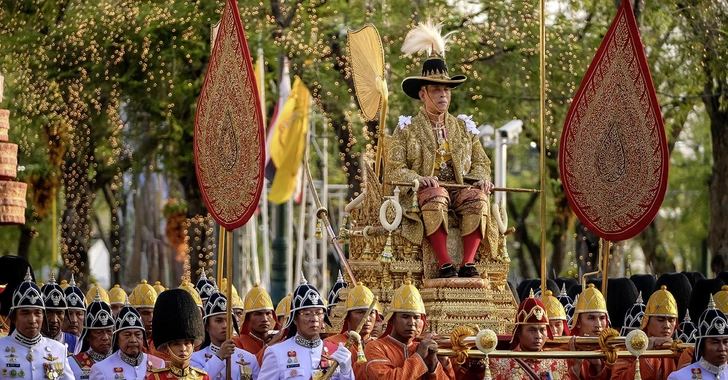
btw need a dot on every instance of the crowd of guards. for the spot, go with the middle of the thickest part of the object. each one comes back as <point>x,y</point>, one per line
<point>56,331</point>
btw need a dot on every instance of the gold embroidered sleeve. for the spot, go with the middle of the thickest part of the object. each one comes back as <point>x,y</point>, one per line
<point>480,169</point>
<point>398,169</point>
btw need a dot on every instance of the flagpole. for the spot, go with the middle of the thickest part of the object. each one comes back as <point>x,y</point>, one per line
<point>325,201</point>
<point>263,277</point>
<point>289,246</point>
<point>542,123</point>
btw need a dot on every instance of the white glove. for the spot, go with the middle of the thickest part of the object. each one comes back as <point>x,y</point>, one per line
<point>343,356</point>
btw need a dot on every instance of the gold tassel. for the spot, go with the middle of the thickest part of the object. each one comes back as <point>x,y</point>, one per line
<point>360,358</point>
<point>367,254</point>
<point>387,251</point>
<point>318,233</point>
<point>415,205</point>
<point>488,375</point>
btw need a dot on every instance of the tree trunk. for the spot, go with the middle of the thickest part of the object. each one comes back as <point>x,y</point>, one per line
<point>199,238</point>
<point>26,238</point>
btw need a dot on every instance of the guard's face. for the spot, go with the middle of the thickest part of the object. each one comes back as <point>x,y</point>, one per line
<point>53,322</point>
<point>28,321</point>
<point>216,326</point>
<point>261,321</point>
<point>239,313</point>
<point>436,97</point>
<point>591,324</point>
<point>309,322</point>
<point>130,341</point>
<point>404,326</point>
<point>354,317</point>
<point>115,308</point>
<point>147,314</point>
<point>100,339</point>
<point>557,327</point>
<point>532,337</point>
<point>73,323</point>
<point>661,326</point>
<point>715,350</point>
<point>182,349</point>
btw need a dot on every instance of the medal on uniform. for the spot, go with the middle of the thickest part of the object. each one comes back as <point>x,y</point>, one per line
<point>21,373</point>
<point>30,356</point>
<point>317,374</point>
<point>50,358</point>
<point>697,373</point>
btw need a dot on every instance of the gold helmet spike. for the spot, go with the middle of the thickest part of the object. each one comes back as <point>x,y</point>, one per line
<point>661,304</point>
<point>117,295</point>
<point>591,300</point>
<point>101,293</point>
<point>554,308</point>
<point>64,284</point>
<point>406,299</point>
<point>257,299</point>
<point>143,296</point>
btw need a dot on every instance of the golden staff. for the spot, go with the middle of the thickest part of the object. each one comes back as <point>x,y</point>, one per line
<point>475,353</point>
<point>542,123</point>
<point>465,186</point>
<point>229,311</point>
<point>353,338</point>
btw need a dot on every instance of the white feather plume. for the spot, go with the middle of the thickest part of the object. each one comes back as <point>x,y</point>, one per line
<point>426,37</point>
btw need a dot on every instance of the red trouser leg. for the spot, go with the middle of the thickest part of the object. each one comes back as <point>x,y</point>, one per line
<point>438,239</point>
<point>470,246</point>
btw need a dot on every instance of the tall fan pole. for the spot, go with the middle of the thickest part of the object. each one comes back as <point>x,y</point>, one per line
<point>229,303</point>
<point>542,123</point>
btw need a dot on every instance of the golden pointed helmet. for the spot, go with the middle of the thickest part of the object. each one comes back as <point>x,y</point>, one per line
<point>591,300</point>
<point>554,308</point>
<point>92,293</point>
<point>661,304</point>
<point>117,295</point>
<point>360,297</point>
<point>284,306</point>
<point>190,288</point>
<point>237,302</point>
<point>64,284</point>
<point>721,299</point>
<point>406,299</point>
<point>257,299</point>
<point>143,296</point>
<point>158,287</point>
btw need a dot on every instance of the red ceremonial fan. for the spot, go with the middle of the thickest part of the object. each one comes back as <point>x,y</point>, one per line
<point>613,156</point>
<point>229,142</point>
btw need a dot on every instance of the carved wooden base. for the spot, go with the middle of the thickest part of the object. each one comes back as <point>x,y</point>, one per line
<point>12,202</point>
<point>4,124</point>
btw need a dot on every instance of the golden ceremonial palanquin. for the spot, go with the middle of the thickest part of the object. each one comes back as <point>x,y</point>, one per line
<point>483,303</point>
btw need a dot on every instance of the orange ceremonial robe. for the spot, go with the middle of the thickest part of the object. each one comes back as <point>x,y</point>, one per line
<point>650,368</point>
<point>390,359</point>
<point>359,368</point>
<point>509,369</point>
<point>686,358</point>
<point>588,372</point>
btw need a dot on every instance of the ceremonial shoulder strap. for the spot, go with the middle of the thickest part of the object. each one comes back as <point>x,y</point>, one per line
<point>527,368</point>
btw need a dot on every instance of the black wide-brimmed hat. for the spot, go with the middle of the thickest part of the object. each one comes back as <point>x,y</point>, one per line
<point>434,71</point>
<point>176,317</point>
<point>426,37</point>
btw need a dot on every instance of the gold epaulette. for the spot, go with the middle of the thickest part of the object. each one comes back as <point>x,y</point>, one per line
<point>199,371</point>
<point>159,370</point>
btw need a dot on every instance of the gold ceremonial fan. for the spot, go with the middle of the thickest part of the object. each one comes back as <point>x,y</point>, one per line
<point>367,67</point>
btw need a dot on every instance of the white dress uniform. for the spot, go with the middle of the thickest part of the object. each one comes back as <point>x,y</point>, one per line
<point>114,367</point>
<point>291,361</point>
<point>245,365</point>
<point>45,359</point>
<point>700,370</point>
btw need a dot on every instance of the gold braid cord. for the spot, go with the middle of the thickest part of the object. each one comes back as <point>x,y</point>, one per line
<point>610,351</point>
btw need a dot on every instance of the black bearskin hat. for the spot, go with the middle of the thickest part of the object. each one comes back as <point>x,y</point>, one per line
<point>645,283</point>
<point>176,317</point>
<point>12,273</point>
<point>535,285</point>
<point>574,291</point>
<point>565,282</point>
<point>679,286</point>
<point>621,295</point>
<point>701,293</point>
<point>694,277</point>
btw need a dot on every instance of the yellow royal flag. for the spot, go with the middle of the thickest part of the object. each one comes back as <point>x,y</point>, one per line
<point>289,142</point>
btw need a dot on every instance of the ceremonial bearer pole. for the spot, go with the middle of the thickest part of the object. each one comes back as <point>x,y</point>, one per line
<point>229,142</point>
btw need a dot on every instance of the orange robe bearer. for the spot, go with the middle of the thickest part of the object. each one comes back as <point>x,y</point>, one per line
<point>389,359</point>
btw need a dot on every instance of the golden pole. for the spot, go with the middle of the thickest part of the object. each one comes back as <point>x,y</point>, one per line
<point>475,353</point>
<point>605,267</point>
<point>463,186</point>
<point>542,123</point>
<point>220,253</point>
<point>229,303</point>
